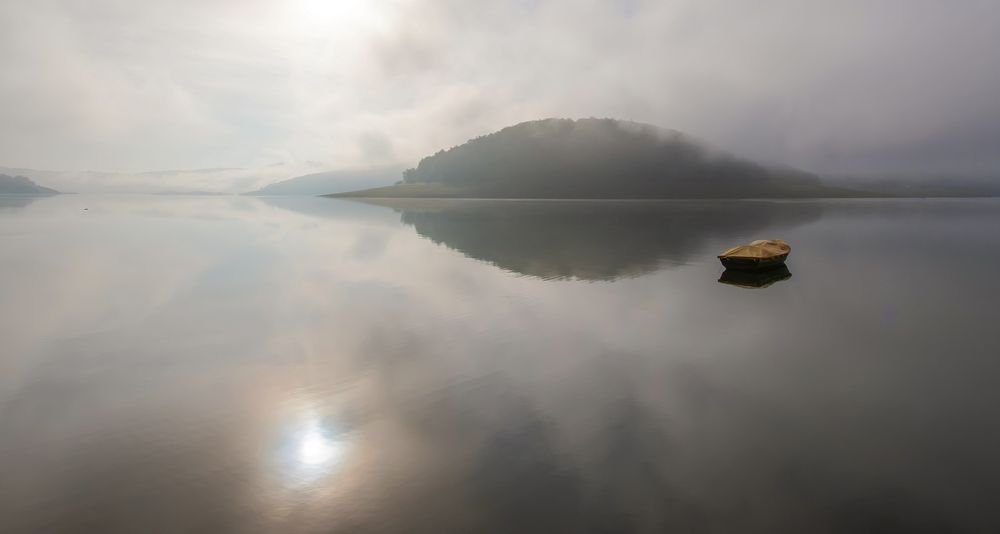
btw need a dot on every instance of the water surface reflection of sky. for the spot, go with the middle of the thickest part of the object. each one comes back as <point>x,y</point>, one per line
<point>234,364</point>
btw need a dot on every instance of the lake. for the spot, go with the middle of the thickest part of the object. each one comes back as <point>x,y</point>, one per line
<point>235,364</point>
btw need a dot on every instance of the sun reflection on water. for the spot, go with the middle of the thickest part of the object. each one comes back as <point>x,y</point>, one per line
<point>317,449</point>
<point>312,451</point>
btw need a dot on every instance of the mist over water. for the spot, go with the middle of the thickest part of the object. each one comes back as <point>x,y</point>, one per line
<point>234,364</point>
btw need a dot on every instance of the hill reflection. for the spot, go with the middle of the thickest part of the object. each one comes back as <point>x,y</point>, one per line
<point>587,240</point>
<point>13,202</point>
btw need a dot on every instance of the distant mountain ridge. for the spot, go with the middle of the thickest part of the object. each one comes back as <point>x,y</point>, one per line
<point>922,185</point>
<point>22,185</point>
<point>596,158</point>
<point>332,181</point>
<point>230,180</point>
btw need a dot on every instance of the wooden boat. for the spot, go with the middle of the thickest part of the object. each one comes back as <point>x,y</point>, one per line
<point>758,279</point>
<point>760,254</point>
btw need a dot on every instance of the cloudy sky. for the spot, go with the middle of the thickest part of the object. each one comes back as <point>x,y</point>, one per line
<point>846,86</point>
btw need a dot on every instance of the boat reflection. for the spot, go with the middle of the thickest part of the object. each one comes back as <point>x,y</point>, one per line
<point>755,279</point>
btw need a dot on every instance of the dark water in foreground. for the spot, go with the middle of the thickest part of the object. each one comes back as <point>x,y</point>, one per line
<point>173,364</point>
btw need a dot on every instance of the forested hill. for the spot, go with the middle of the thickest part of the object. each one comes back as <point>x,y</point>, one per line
<point>21,185</point>
<point>596,158</point>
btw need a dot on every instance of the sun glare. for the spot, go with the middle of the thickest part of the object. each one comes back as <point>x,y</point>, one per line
<point>336,13</point>
<point>316,449</point>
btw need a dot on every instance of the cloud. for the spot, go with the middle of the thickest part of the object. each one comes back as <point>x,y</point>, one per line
<point>834,87</point>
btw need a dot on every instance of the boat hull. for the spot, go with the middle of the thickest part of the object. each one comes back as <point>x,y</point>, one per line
<point>753,264</point>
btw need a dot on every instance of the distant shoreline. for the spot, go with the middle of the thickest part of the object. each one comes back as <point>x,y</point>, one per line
<point>434,192</point>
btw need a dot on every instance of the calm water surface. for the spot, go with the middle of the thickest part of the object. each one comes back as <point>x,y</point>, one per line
<point>173,364</point>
